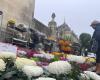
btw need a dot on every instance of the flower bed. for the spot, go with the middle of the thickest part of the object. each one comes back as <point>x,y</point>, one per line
<point>16,68</point>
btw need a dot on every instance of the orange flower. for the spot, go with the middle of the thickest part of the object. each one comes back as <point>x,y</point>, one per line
<point>68,48</point>
<point>56,53</point>
<point>67,43</point>
<point>61,42</point>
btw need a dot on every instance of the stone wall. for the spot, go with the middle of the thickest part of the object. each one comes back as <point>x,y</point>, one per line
<point>41,27</point>
<point>19,10</point>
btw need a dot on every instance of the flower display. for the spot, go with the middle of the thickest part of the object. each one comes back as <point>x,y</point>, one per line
<point>47,56</point>
<point>21,62</point>
<point>64,48</point>
<point>45,78</point>
<point>61,42</point>
<point>84,77</point>
<point>92,75</point>
<point>90,60</point>
<point>59,67</point>
<point>56,53</point>
<point>67,43</point>
<point>7,55</point>
<point>2,65</point>
<point>74,58</point>
<point>12,21</point>
<point>32,71</point>
<point>20,52</point>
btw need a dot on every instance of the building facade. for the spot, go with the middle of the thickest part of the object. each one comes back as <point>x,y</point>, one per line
<point>65,32</point>
<point>38,25</point>
<point>19,10</point>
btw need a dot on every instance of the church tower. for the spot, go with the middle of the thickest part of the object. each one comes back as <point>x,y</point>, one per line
<point>53,27</point>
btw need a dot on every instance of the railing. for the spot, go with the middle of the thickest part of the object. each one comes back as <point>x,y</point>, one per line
<point>6,36</point>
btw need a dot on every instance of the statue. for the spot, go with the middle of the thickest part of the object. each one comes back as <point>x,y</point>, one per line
<point>53,16</point>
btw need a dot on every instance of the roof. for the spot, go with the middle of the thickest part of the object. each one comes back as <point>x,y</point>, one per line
<point>65,26</point>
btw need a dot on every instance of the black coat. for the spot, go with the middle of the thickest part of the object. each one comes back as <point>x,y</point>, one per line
<point>95,41</point>
<point>96,34</point>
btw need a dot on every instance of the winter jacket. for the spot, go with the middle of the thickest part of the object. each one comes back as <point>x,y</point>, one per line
<point>96,34</point>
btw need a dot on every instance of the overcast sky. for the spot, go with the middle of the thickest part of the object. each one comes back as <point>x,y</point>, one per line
<point>78,13</point>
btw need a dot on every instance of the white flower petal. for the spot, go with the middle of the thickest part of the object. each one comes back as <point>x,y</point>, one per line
<point>7,55</point>
<point>2,65</point>
<point>21,62</point>
<point>32,71</point>
<point>59,67</point>
<point>78,59</point>
<point>43,78</point>
<point>92,75</point>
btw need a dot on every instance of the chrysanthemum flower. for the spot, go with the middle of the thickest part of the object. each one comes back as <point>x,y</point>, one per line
<point>84,77</point>
<point>21,62</point>
<point>32,71</point>
<point>59,67</point>
<point>78,59</point>
<point>5,55</point>
<point>92,75</point>
<point>43,78</point>
<point>2,65</point>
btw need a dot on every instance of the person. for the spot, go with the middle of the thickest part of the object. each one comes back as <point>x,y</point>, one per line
<point>96,35</point>
<point>86,52</point>
<point>34,37</point>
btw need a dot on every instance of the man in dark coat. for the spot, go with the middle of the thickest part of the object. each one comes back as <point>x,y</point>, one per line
<point>34,38</point>
<point>96,35</point>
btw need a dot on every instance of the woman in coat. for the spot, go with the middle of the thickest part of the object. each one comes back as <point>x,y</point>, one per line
<point>96,35</point>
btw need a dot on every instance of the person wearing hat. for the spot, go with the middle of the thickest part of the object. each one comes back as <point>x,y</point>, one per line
<point>96,35</point>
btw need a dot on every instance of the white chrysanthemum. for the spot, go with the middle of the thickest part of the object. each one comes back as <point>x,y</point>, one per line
<point>2,65</point>
<point>84,77</point>
<point>21,62</point>
<point>59,67</point>
<point>92,75</point>
<point>47,56</point>
<point>32,71</point>
<point>78,59</point>
<point>21,52</point>
<point>43,78</point>
<point>7,55</point>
